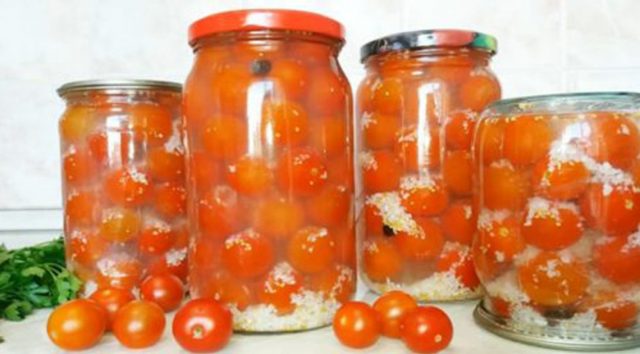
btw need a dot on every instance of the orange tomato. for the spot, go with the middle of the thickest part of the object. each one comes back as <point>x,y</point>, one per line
<point>331,135</point>
<point>128,187</point>
<point>250,176</point>
<point>340,169</point>
<point>457,171</point>
<point>311,249</point>
<point>614,210</point>
<point>478,91</point>
<point>458,130</point>
<point>139,324</point>
<point>156,238</point>
<point>387,96</point>
<point>416,151</point>
<point>78,167</point>
<point>80,209</point>
<point>86,248</point>
<point>220,212</point>
<point>284,124</point>
<point>426,197</point>
<point>381,260</point>
<point>391,307</point>
<point>165,165</point>
<point>490,140</point>
<point>614,139</point>
<point>357,325</point>
<point>112,299</point>
<point>330,207</point>
<point>231,83</point>
<point>151,123</point>
<point>381,171</point>
<point>424,245</point>
<point>120,272</point>
<point>379,131</point>
<point>76,122</point>
<point>337,282</point>
<point>551,280</point>
<point>225,137</point>
<point>248,254</point>
<point>552,228</point>
<point>302,172</point>
<point>170,200</point>
<point>504,187</point>
<point>613,312</point>
<point>560,181</point>
<point>328,93</point>
<point>278,218</point>
<point>618,258</point>
<point>291,78</point>
<point>224,287</point>
<point>461,264</point>
<point>278,286</point>
<point>205,172</point>
<point>120,225</point>
<point>527,139</point>
<point>97,145</point>
<point>500,239</point>
<point>459,222</point>
<point>77,325</point>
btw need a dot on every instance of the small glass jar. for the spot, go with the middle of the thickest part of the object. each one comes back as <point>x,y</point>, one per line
<point>558,244</point>
<point>123,181</point>
<point>417,109</point>
<point>269,126</point>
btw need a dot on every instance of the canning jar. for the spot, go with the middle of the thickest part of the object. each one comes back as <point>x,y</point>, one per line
<point>558,244</point>
<point>268,120</point>
<point>123,181</point>
<point>417,109</point>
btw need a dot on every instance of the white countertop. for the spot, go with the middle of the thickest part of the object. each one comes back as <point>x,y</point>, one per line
<point>29,336</point>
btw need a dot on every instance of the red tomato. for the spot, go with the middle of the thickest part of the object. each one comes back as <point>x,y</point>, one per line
<point>170,200</point>
<point>278,218</point>
<point>220,212</point>
<point>618,258</point>
<point>328,93</point>
<point>78,168</point>
<point>156,239</point>
<point>278,286</point>
<point>139,324</point>
<point>290,77</point>
<point>165,165</point>
<point>166,290</point>
<point>112,299</point>
<point>331,207</point>
<point>381,171</point>
<point>357,325</point>
<point>250,176</point>
<point>284,124</point>
<point>422,245</point>
<point>225,288</point>
<point>202,325</point>
<point>426,330</point>
<point>152,124</point>
<point>311,249</point>
<point>127,187</point>
<point>80,208</point>
<point>391,307</point>
<point>381,260</point>
<point>302,172</point>
<point>77,324</point>
<point>248,254</point>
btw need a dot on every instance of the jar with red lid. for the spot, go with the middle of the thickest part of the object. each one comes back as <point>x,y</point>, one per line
<point>269,131</point>
<point>417,109</point>
<point>558,242</point>
<point>123,181</point>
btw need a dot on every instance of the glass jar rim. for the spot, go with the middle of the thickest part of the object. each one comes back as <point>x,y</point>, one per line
<point>597,100</point>
<point>117,84</point>
<point>431,38</point>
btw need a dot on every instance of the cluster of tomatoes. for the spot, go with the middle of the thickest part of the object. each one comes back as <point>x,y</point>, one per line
<point>270,132</point>
<point>200,325</point>
<point>417,123</point>
<point>395,314</point>
<point>560,208</point>
<point>123,187</point>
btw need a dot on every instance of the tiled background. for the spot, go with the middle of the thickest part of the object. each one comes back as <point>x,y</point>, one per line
<point>545,46</point>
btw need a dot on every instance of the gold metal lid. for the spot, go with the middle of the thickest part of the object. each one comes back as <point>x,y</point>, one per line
<point>118,84</point>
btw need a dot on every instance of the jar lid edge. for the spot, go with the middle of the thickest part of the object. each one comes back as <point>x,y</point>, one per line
<point>102,84</point>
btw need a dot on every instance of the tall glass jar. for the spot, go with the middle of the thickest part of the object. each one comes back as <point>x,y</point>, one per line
<point>269,131</point>
<point>417,109</point>
<point>123,181</point>
<point>558,244</point>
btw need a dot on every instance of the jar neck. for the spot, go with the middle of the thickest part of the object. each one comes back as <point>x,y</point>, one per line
<point>411,59</point>
<point>263,37</point>
<point>121,96</point>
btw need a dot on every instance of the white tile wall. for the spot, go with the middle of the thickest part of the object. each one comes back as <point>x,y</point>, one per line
<point>545,46</point>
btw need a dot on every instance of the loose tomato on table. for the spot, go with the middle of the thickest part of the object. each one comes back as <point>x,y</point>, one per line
<point>357,325</point>
<point>139,324</point>
<point>426,329</point>
<point>112,299</point>
<point>77,324</point>
<point>392,306</point>
<point>202,325</point>
<point>165,290</point>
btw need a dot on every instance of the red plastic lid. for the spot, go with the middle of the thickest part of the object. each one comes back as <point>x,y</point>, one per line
<point>257,19</point>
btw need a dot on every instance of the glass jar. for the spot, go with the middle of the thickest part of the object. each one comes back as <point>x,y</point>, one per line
<point>269,126</point>
<point>417,109</point>
<point>558,246</point>
<point>123,181</point>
